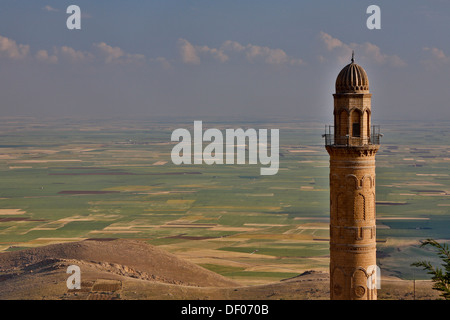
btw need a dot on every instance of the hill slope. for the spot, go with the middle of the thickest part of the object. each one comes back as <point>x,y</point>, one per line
<point>129,269</point>
<point>98,259</point>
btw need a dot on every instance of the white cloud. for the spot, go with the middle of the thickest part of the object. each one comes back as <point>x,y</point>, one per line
<point>437,54</point>
<point>215,53</point>
<point>191,54</point>
<point>436,58</point>
<point>365,51</point>
<point>50,9</point>
<point>163,62</point>
<point>72,55</point>
<point>64,54</point>
<point>44,56</point>
<point>253,53</point>
<point>188,52</point>
<point>330,42</point>
<point>232,46</point>
<point>373,52</point>
<point>115,55</point>
<point>102,52</point>
<point>268,55</point>
<point>10,49</point>
<point>110,53</point>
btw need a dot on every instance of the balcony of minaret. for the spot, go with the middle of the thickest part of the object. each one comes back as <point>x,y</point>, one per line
<point>354,135</point>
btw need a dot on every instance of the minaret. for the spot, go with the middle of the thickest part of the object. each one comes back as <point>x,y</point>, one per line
<point>352,144</point>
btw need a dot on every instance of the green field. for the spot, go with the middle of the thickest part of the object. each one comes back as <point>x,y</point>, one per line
<point>64,180</point>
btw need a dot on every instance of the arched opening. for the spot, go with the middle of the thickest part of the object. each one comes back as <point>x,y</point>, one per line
<point>356,124</point>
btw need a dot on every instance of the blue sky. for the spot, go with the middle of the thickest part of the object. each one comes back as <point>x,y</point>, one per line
<point>221,58</point>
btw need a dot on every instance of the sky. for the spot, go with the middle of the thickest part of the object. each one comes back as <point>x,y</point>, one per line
<point>225,58</point>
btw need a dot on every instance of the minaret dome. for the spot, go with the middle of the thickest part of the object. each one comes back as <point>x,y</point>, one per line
<point>352,79</point>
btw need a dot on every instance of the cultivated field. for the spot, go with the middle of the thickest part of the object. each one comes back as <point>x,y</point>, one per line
<point>66,180</point>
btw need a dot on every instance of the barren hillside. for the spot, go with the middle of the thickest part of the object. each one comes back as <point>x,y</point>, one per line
<point>128,269</point>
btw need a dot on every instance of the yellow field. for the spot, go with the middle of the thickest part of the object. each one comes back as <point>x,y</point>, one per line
<point>11,212</point>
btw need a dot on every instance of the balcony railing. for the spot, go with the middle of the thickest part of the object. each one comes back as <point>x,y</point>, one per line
<point>332,140</point>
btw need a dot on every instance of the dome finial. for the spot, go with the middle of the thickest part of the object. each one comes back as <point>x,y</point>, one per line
<point>353,56</point>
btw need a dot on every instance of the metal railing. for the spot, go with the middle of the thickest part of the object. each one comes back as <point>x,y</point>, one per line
<point>332,140</point>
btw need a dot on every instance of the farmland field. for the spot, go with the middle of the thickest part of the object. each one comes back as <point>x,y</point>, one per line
<point>65,180</point>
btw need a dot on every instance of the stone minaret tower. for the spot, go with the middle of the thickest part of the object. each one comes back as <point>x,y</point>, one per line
<point>352,144</point>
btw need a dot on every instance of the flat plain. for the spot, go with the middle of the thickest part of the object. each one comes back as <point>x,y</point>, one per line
<point>65,180</point>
